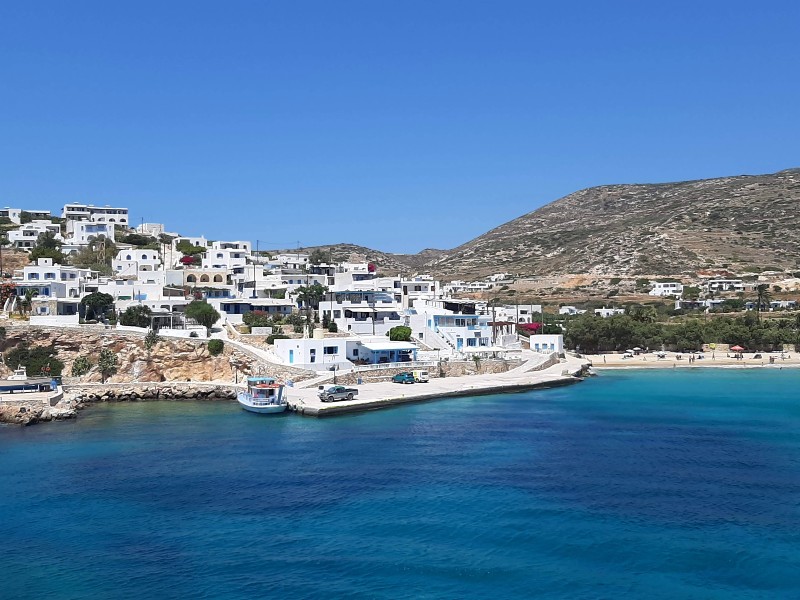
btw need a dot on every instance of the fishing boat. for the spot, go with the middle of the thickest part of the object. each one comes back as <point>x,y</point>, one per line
<point>20,382</point>
<point>263,395</point>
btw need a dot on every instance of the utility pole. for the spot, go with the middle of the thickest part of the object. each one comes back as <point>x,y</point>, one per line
<point>254,270</point>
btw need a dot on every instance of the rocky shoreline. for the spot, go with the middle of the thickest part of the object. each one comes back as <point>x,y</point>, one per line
<point>29,410</point>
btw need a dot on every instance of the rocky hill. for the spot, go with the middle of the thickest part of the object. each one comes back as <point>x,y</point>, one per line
<point>743,223</point>
<point>737,224</point>
<point>387,263</point>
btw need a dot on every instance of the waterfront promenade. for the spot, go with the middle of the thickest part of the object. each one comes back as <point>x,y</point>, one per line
<point>537,372</point>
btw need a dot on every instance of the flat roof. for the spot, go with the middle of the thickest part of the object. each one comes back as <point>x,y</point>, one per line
<point>388,345</point>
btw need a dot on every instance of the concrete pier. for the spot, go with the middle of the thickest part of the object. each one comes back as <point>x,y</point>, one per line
<point>374,396</point>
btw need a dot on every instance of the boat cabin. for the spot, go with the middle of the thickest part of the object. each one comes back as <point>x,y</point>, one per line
<point>264,390</point>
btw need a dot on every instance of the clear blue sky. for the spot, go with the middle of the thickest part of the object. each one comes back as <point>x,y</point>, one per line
<point>398,125</point>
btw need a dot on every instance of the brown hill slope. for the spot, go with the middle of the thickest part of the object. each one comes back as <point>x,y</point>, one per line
<point>387,263</point>
<point>738,223</point>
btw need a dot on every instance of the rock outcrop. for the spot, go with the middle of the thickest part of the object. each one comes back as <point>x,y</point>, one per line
<point>171,359</point>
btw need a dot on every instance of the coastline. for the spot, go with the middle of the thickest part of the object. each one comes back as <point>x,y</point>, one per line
<point>650,361</point>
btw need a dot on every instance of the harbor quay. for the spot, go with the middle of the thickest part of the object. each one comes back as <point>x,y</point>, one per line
<point>532,374</point>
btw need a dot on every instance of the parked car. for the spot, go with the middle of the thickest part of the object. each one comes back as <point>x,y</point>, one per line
<point>420,376</point>
<point>337,392</point>
<point>404,377</point>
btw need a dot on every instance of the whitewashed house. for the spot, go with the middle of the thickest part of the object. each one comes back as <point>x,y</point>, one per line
<point>608,312</point>
<point>58,290</point>
<point>99,214</point>
<point>666,288</point>
<point>365,312</point>
<point>320,353</point>
<point>516,313</point>
<point>723,285</point>
<point>134,261</point>
<point>547,343</point>
<point>26,236</point>
<point>570,310</point>
<point>12,214</point>
<point>80,232</point>
<point>235,308</point>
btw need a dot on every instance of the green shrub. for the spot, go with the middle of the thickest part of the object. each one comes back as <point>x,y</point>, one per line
<point>333,327</point>
<point>81,366</point>
<point>136,316</point>
<point>215,347</point>
<point>37,360</point>
<point>257,318</point>
<point>401,333</point>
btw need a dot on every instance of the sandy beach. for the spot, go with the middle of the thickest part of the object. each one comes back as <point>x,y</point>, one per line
<point>709,359</point>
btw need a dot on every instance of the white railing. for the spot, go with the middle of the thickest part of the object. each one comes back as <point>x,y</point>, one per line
<point>397,365</point>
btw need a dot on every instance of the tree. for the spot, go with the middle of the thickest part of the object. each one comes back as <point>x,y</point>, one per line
<point>25,303</point>
<point>311,295</point>
<point>150,341</point>
<point>48,246</point>
<point>477,360</point>
<point>25,217</point>
<point>317,257</point>
<point>96,255</point>
<point>136,316</point>
<point>81,366</point>
<point>690,292</point>
<point>96,304</point>
<point>189,249</point>
<point>203,313</point>
<point>138,239</point>
<point>763,297</point>
<point>401,333</point>
<point>107,363</point>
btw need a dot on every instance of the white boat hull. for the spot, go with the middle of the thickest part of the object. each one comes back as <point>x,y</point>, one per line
<point>262,408</point>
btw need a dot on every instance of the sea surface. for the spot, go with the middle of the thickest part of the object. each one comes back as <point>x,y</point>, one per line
<point>634,484</point>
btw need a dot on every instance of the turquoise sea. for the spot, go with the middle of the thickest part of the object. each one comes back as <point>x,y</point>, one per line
<point>654,484</point>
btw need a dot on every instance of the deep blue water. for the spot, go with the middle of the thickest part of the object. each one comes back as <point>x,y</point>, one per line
<point>671,484</point>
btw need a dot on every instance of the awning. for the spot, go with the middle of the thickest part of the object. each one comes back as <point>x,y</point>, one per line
<point>378,346</point>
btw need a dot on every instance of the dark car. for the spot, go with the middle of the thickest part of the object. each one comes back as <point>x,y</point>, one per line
<point>404,377</point>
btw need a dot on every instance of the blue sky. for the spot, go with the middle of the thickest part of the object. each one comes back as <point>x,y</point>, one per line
<point>398,125</point>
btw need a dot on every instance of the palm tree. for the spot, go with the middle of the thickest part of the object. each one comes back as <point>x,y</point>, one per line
<point>25,303</point>
<point>762,298</point>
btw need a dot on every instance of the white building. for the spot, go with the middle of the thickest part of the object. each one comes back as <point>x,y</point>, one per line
<point>667,288</point>
<point>451,327</point>
<point>418,287</point>
<point>235,308</point>
<point>608,312</point>
<point>58,291</point>
<point>457,286</point>
<point>365,312</point>
<point>723,285</point>
<point>80,232</point>
<point>570,310</point>
<point>26,236</point>
<point>319,353</point>
<point>99,214</point>
<point>133,261</point>
<point>516,313</point>
<point>547,343</point>
<point>292,260</point>
<point>12,214</point>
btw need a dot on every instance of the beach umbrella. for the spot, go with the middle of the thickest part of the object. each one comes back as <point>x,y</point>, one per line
<point>736,348</point>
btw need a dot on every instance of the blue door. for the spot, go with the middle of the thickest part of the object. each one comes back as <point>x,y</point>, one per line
<point>291,357</point>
